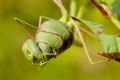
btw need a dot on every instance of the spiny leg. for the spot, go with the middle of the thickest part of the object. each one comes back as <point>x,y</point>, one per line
<point>84,45</point>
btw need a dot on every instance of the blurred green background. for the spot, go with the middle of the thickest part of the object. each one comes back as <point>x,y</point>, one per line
<point>71,65</point>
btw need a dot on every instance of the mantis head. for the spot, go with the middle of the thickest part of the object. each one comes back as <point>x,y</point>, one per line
<point>33,53</point>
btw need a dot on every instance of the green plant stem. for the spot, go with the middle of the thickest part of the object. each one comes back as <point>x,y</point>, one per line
<point>64,12</point>
<point>111,16</point>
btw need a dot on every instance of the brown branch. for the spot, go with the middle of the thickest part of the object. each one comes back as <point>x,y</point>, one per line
<point>101,9</point>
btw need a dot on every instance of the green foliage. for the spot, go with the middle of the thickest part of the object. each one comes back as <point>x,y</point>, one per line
<point>116,7</point>
<point>109,43</point>
<point>68,66</point>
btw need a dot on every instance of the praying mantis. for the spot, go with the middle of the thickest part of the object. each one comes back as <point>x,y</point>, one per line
<point>52,37</point>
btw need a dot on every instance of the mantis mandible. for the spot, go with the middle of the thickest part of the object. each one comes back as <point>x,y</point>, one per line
<point>52,37</point>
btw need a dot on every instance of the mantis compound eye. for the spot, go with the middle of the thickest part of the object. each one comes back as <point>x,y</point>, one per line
<point>32,51</point>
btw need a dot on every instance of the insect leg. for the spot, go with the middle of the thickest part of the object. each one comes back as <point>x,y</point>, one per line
<point>40,20</point>
<point>30,29</point>
<point>84,45</point>
<point>87,32</point>
<point>84,30</point>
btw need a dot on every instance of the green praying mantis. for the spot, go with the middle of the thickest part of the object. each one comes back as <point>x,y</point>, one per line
<point>52,36</point>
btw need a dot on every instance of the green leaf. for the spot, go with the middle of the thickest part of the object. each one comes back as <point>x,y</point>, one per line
<point>109,43</point>
<point>116,7</point>
<point>118,42</point>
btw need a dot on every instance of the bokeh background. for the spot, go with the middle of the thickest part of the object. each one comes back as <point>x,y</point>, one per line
<point>71,65</point>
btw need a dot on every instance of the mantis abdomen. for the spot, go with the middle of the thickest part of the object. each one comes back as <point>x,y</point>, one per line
<point>52,36</point>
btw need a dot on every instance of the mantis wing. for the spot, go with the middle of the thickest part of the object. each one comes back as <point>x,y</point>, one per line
<point>31,30</point>
<point>94,27</point>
